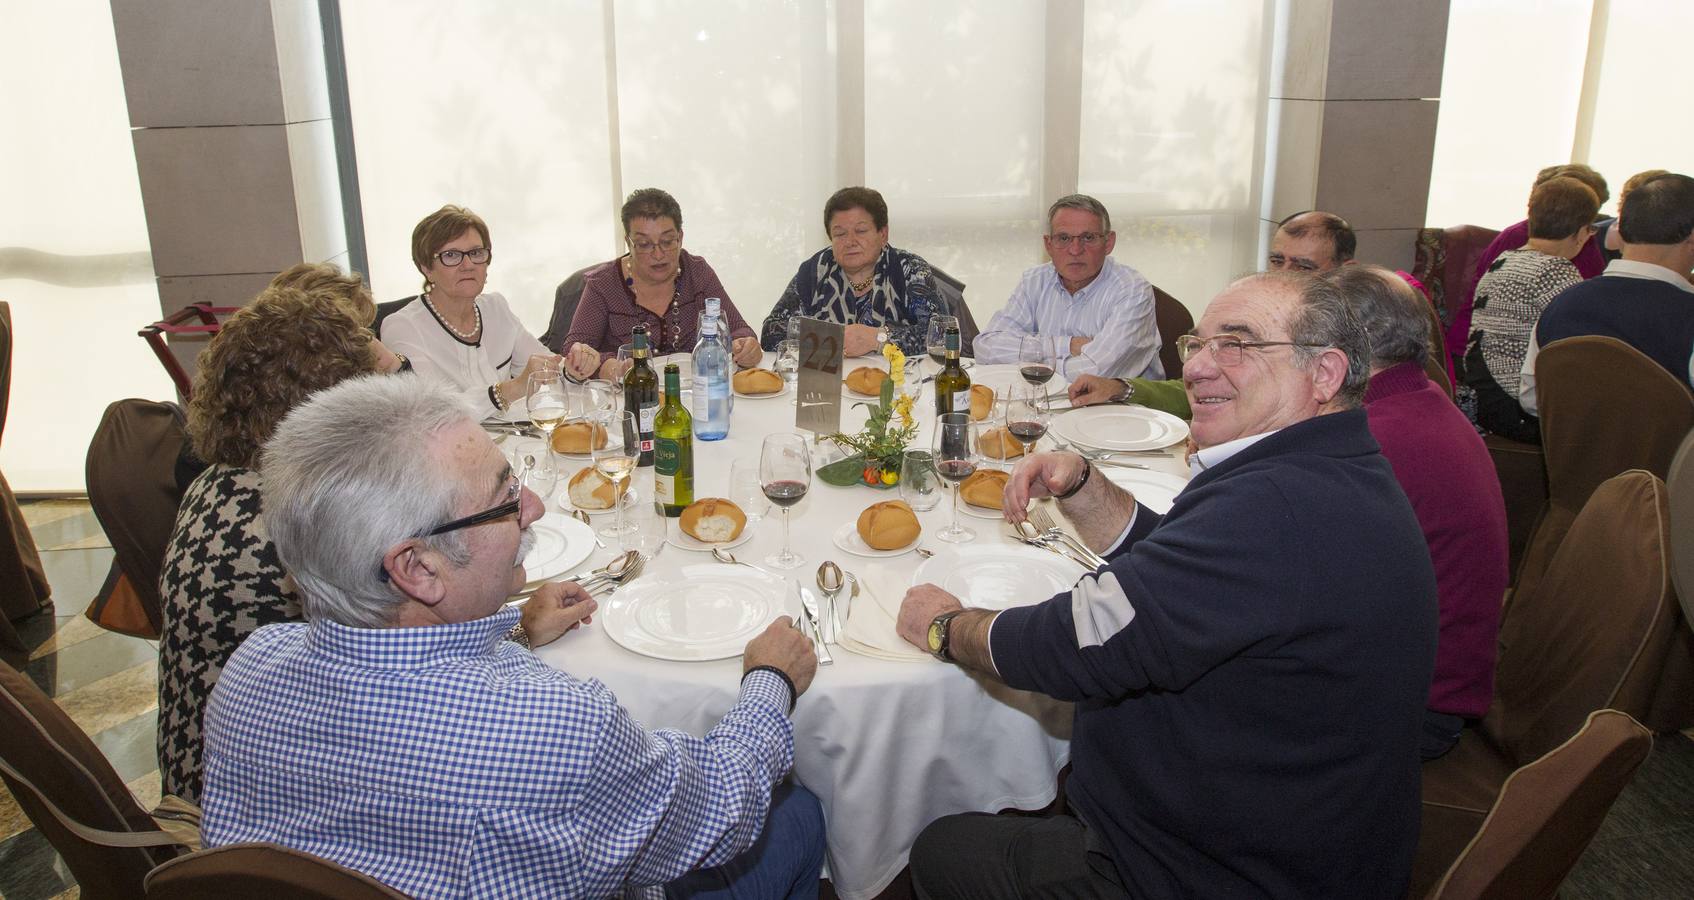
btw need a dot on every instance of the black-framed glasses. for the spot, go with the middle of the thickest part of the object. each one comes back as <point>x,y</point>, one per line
<point>1228,349</point>
<point>667,244</point>
<point>492,514</point>
<point>1087,239</point>
<point>478,255</point>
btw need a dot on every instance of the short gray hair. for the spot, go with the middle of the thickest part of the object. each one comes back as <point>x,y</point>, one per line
<point>349,474</point>
<point>1395,316</point>
<point>1323,319</point>
<point>1083,202</point>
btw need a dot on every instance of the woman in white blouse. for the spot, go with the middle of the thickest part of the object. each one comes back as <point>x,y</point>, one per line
<point>457,334</point>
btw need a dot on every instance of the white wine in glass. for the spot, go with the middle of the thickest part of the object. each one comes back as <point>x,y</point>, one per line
<point>548,397</point>
<point>616,461</point>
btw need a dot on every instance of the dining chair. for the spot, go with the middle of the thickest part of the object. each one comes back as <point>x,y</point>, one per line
<point>133,489</point>
<point>1547,813</point>
<point>1522,470</point>
<point>1174,320</point>
<point>386,309</point>
<point>266,870</point>
<point>1680,483</point>
<point>1593,634</point>
<point>197,320</point>
<point>68,789</point>
<point>952,293</point>
<point>23,582</point>
<point>565,299</point>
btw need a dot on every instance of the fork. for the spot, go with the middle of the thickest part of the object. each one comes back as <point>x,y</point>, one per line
<point>1044,521</point>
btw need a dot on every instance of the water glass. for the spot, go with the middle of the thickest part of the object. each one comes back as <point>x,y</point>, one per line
<point>745,490</point>
<point>920,484</point>
<point>935,340</point>
<point>788,363</point>
<point>603,396</point>
<point>647,530</point>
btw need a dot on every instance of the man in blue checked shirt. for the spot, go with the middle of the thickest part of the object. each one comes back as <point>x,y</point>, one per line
<point>399,732</point>
<point>1092,314</point>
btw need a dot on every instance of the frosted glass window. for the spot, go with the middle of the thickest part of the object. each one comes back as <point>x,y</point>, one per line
<point>1641,111</point>
<point>75,262</point>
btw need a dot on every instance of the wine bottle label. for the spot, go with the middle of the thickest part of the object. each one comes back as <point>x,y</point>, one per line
<point>649,411</point>
<point>664,487</point>
<point>962,400</point>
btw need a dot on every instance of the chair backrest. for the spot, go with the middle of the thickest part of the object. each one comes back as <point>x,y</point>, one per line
<point>565,298</point>
<point>1680,483</point>
<point>1596,631</point>
<point>5,362</point>
<point>1174,321</point>
<point>41,743</point>
<point>1435,365</point>
<point>196,320</point>
<point>1547,812</point>
<point>132,488</point>
<point>386,309</point>
<point>952,292</point>
<point>271,871</point>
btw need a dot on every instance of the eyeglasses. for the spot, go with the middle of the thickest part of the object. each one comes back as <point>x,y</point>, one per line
<point>642,248</point>
<point>478,255</point>
<point>1227,349</point>
<point>510,507</point>
<point>1087,239</point>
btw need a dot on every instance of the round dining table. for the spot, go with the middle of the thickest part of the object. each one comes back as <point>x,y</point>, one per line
<point>887,745</point>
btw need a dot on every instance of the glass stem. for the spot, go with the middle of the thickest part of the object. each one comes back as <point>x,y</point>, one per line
<point>955,528</point>
<point>786,553</point>
<point>617,501</point>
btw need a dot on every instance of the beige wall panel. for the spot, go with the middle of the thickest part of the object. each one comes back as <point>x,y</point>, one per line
<point>1375,161</point>
<point>218,200</point>
<point>187,62</point>
<point>1299,134</point>
<point>1391,247</point>
<point>1299,70</point>
<point>300,60</point>
<point>1386,49</point>
<point>317,190</point>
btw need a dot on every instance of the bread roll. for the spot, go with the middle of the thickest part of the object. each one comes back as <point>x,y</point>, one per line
<point>572,437</point>
<point>889,525</point>
<point>984,488</point>
<point>590,490</point>
<point>998,443</point>
<point>713,520</point>
<point>982,402</point>
<point>756,381</point>
<point>866,380</point>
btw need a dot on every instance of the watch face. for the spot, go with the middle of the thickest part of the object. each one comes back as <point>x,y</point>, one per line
<point>937,631</point>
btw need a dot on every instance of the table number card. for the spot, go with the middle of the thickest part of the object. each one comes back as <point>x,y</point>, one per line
<point>819,386</point>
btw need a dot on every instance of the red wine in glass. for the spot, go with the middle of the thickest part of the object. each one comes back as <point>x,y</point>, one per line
<point>1027,432</point>
<point>1036,374</point>
<point>785,493</point>
<point>955,470</point>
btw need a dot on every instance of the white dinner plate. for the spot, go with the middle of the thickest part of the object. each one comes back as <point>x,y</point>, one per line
<point>1155,490</point>
<point>999,576</point>
<point>1119,427</point>
<point>561,543</point>
<point>847,538</point>
<point>704,611</point>
<point>978,512</point>
<point>682,540</point>
<point>746,396</point>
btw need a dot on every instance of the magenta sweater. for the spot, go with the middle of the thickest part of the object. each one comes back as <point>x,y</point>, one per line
<point>1444,468</point>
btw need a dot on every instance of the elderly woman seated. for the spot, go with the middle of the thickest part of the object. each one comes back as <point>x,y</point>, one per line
<point>859,280</point>
<point>456,334</point>
<point>657,284</point>
<point>221,577</point>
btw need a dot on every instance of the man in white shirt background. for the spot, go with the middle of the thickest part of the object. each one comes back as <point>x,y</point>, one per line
<point>1094,315</point>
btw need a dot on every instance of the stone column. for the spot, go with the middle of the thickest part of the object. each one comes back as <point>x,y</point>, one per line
<point>1354,93</point>
<point>229,106</point>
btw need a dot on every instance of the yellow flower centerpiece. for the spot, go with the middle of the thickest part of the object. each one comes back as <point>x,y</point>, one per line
<point>875,453</point>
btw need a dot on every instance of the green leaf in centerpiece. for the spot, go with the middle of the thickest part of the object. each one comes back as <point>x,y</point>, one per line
<point>848,472</point>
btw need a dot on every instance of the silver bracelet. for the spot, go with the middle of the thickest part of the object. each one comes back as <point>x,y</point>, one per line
<point>1128,391</point>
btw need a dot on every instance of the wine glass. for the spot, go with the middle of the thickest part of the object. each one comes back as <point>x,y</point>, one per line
<point>1035,360</point>
<point>920,484</point>
<point>616,461</point>
<point>1027,413</point>
<point>788,363</point>
<point>603,395</point>
<point>746,491</point>
<point>935,340</point>
<point>548,397</point>
<point>785,473</point>
<point>626,358</point>
<point>647,533</point>
<point>955,459</point>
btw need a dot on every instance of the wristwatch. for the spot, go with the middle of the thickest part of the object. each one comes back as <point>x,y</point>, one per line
<point>1127,392</point>
<point>940,637</point>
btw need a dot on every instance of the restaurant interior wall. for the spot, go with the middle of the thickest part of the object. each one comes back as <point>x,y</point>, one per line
<point>970,119</point>
<point>1533,83</point>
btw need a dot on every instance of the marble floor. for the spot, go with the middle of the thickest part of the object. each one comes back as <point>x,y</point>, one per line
<point>107,684</point>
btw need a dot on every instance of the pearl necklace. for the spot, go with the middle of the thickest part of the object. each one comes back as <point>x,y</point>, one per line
<point>468,338</point>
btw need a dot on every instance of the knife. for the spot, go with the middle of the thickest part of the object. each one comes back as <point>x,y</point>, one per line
<point>809,605</point>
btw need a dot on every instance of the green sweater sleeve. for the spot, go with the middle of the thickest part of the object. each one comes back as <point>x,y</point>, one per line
<point>1164,396</point>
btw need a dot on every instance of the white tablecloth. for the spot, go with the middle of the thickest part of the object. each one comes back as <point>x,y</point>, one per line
<point>887,746</point>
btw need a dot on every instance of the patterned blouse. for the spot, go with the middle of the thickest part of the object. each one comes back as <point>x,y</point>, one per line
<point>1509,301</point>
<point>221,581</point>
<point>902,298</point>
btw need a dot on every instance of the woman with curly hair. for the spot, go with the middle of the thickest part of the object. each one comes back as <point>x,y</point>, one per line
<point>349,290</point>
<point>222,578</point>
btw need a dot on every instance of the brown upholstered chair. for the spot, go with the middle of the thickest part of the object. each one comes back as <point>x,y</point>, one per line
<point>1547,813</point>
<point>1174,321</point>
<point>1591,636</point>
<point>1446,264</point>
<point>1680,483</point>
<point>1436,365</point>
<point>132,486</point>
<point>565,298</point>
<point>1522,470</point>
<point>23,583</point>
<point>270,871</point>
<point>74,797</point>
<point>951,291</point>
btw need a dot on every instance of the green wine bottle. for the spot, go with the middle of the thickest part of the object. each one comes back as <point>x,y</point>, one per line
<point>641,394</point>
<point>952,385</point>
<point>673,448</point>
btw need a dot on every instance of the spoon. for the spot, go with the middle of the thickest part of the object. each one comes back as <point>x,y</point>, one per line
<point>724,556</point>
<point>830,582</point>
<point>582,517</point>
<point>615,570</point>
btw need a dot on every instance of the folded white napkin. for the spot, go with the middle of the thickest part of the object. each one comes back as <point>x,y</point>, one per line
<point>871,617</point>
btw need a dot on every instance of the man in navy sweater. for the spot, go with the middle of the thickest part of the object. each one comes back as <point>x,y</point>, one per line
<point>1249,671</point>
<point>1644,299</point>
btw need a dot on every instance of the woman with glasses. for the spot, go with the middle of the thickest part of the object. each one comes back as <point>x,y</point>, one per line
<point>657,284</point>
<point>859,280</point>
<point>457,334</point>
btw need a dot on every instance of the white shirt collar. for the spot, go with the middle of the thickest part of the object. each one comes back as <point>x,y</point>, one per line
<point>1211,456</point>
<point>1102,278</point>
<point>1632,268</point>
